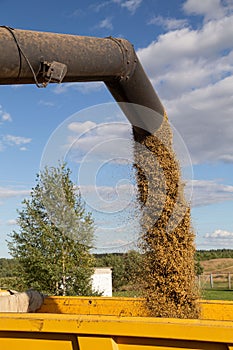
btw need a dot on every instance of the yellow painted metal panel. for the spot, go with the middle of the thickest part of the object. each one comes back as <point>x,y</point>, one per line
<point>95,306</point>
<point>34,344</point>
<point>166,344</point>
<point>29,341</point>
<point>217,310</point>
<point>68,327</point>
<point>127,307</point>
<point>97,343</point>
<point>172,347</point>
<point>144,327</point>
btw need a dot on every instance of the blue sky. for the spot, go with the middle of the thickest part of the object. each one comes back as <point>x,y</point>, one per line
<point>186,48</point>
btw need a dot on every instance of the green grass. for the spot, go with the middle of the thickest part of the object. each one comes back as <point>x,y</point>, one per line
<point>217,294</point>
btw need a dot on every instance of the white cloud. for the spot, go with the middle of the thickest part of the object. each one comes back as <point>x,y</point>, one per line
<point>46,103</point>
<point>169,23</point>
<point>12,222</point>
<point>206,192</point>
<point>13,140</point>
<point>84,88</point>
<point>99,6</point>
<point>81,137</point>
<point>219,238</point>
<point>203,117</point>
<point>99,142</point>
<point>8,192</point>
<point>176,47</point>
<point>222,234</point>
<point>106,23</point>
<point>192,72</point>
<point>4,116</point>
<point>131,5</point>
<point>210,9</point>
<point>80,128</point>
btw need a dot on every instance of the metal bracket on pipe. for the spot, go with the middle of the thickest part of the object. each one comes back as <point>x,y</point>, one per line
<point>53,72</point>
<point>129,58</point>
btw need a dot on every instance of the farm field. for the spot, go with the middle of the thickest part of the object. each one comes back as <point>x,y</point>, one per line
<point>221,270</point>
<point>217,275</point>
<point>221,265</point>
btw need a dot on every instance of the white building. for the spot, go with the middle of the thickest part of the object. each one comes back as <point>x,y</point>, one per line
<point>102,281</point>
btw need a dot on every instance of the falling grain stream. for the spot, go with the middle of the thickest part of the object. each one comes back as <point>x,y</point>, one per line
<point>167,239</point>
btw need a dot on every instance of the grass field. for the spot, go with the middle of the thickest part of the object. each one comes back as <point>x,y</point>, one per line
<point>221,265</point>
<point>216,294</point>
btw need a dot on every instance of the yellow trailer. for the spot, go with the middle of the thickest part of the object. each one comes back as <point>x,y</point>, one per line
<point>81,323</point>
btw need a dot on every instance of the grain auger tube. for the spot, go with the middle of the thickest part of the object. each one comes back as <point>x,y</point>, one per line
<point>29,57</point>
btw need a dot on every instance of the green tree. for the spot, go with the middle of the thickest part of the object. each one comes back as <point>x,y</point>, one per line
<point>52,245</point>
<point>7,267</point>
<point>198,268</point>
<point>133,266</point>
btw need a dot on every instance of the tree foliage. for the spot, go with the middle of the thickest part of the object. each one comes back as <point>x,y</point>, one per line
<point>214,254</point>
<point>8,267</point>
<point>199,269</point>
<point>52,245</point>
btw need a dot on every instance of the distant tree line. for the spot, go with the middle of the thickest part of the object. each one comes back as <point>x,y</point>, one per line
<point>7,267</point>
<point>125,267</point>
<point>202,255</point>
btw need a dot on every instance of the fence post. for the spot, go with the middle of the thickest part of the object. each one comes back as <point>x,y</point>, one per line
<point>199,281</point>
<point>229,281</point>
<point>211,281</point>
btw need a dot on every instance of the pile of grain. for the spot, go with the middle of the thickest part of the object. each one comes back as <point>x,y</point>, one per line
<point>167,239</point>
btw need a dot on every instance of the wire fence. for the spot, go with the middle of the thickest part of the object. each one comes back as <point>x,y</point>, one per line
<point>216,281</point>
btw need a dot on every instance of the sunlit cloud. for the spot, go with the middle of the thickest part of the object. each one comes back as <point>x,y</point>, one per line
<point>106,23</point>
<point>206,192</point>
<point>168,23</point>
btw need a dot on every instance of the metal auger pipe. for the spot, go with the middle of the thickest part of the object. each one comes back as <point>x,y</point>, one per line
<point>28,57</point>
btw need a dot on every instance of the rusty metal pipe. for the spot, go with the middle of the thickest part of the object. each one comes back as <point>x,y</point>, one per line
<point>110,60</point>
